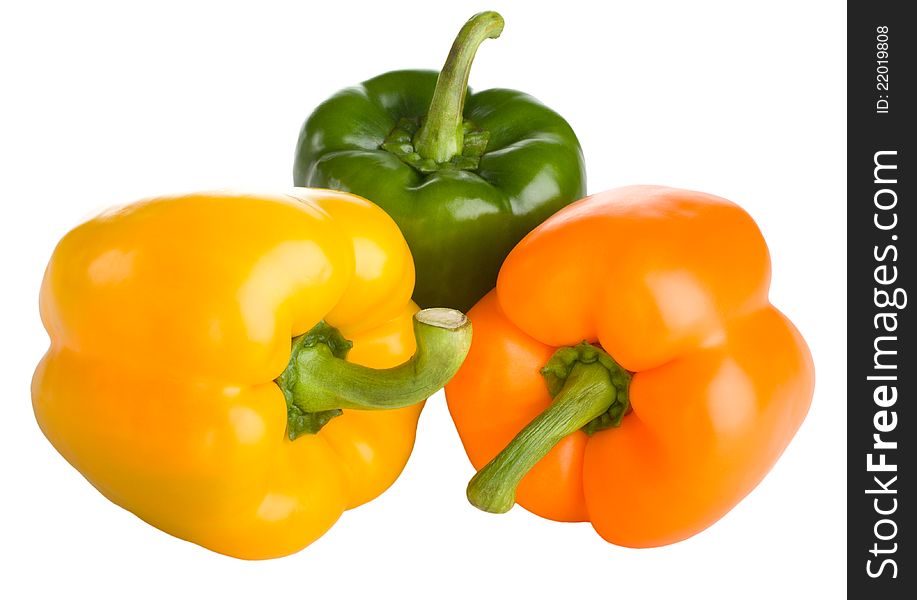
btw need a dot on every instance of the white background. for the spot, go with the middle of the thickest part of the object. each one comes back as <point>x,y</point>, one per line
<point>105,104</point>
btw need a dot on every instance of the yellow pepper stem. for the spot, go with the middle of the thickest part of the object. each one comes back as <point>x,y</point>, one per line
<point>319,383</point>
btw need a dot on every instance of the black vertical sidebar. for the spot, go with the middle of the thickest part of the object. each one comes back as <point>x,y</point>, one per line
<point>881,363</point>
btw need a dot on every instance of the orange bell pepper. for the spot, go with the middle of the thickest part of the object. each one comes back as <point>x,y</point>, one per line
<point>629,370</point>
<point>216,360</point>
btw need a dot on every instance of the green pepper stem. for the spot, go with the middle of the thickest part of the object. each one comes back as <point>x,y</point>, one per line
<point>587,393</point>
<point>318,382</point>
<point>441,136</point>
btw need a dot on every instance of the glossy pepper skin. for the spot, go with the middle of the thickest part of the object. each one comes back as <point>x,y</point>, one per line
<point>711,381</point>
<point>461,204</point>
<point>169,321</point>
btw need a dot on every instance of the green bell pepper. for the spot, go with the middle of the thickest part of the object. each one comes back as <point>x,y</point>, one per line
<point>464,175</point>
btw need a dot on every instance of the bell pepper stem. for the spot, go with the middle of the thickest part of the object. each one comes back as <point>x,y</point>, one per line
<point>587,393</point>
<point>441,136</point>
<point>318,382</point>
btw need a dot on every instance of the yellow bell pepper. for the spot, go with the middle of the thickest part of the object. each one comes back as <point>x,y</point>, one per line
<point>172,385</point>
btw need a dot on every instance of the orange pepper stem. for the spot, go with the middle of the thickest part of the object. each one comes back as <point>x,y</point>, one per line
<point>442,134</point>
<point>590,392</point>
<point>319,383</point>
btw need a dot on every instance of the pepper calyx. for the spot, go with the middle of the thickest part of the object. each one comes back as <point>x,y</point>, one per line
<point>299,420</point>
<point>558,368</point>
<point>400,142</point>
